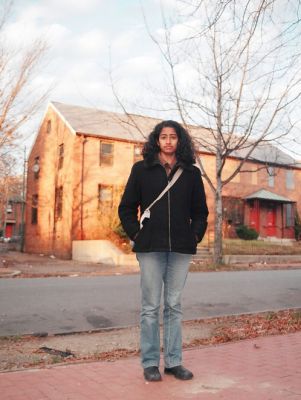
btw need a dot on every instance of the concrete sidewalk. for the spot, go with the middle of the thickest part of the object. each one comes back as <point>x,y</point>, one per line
<point>266,368</point>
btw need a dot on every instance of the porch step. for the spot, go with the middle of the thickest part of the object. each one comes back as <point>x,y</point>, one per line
<point>203,250</point>
<point>203,255</point>
<point>276,240</point>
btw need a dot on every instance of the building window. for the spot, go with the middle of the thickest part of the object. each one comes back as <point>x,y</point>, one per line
<point>289,215</point>
<point>9,208</point>
<point>61,156</point>
<point>137,153</point>
<point>233,210</point>
<point>106,153</point>
<point>48,127</point>
<point>58,202</point>
<point>271,176</point>
<point>34,209</point>
<point>36,167</point>
<point>289,179</point>
<point>254,176</point>
<point>105,194</point>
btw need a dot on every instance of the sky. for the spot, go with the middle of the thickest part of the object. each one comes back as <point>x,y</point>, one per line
<point>85,38</point>
<point>89,41</point>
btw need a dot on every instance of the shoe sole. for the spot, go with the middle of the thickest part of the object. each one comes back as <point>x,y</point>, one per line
<point>178,377</point>
<point>153,380</point>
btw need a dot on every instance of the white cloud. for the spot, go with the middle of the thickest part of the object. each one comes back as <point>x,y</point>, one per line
<point>167,3</point>
<point>91,43</point>
<point>123,42</point>
<point>181,31</point>
<point>48,10</point>
<point>71,6</point>
<point>147,64</point>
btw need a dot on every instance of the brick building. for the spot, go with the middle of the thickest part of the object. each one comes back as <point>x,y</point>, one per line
<point>82,157</point>
<point>11,206</point>
<point>12,218</point>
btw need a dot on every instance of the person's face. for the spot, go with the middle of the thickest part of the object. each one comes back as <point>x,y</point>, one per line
<point>168,141</point>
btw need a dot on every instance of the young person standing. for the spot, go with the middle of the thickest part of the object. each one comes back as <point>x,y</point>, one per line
<point>166,241</point>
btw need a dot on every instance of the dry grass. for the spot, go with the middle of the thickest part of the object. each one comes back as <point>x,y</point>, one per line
<point>238,246</point>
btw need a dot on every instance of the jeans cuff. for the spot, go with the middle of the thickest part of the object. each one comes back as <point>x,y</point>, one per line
<point>173,365</point>
<point>152,364</point>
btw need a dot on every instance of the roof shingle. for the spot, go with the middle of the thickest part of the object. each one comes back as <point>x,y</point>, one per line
<point>136,128</point>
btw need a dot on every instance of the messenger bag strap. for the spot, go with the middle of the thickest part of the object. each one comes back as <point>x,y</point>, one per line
<point>146,213</point>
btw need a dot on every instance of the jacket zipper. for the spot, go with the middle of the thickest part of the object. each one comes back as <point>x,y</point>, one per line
<point>169,236</point>
<point>168,197</point>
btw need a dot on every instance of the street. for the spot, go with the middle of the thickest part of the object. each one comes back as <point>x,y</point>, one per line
<point>62,305</point>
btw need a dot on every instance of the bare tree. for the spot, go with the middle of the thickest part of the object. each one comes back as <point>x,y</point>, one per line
<point>19,101</point>
<point>234,68</point>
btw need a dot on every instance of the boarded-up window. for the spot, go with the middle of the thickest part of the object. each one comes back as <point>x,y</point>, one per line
<point>289,179</point>
<point>48,127</point>
<point>61,156</point>
<point>9,208</point>
<point>254,175</point>
<point>271,176</point>
<point>137,152</point>
<point>59,202</point>
<point>36,167</point>
<point>236,178</point>
<point>289,215</point>
<point>105,194</point>
<point>106,153</point>
<point>34,209</point>
<point>248,174</point>
<point>233,210</point>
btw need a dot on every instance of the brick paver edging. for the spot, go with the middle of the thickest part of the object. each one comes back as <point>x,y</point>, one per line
<point>265,368</point>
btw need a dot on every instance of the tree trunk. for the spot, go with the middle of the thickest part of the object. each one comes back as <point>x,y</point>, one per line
<point>218,221</point>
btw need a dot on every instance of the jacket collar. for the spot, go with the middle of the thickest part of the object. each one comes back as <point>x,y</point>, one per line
<point>156,161</point>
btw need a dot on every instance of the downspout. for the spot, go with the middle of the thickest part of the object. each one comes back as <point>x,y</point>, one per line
<point>282,221</point>
<point>258,227</point>
<point>82,236</point>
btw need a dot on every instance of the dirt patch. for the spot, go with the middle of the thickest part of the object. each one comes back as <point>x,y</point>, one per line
<point>19,352</point>
<point>14,264</point>
<point>24,265</point>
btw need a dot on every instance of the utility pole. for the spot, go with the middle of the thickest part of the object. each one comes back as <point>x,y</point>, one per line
<point>23,201</point>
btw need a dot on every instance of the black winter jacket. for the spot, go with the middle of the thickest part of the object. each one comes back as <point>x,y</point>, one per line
<point>178,220</point>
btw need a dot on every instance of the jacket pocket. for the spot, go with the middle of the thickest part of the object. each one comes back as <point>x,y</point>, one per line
<point>142,241</point>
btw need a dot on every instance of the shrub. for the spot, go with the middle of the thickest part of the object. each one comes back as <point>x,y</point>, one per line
<point>120,231</point>
<point>246,233</point>
<point>297,227</point>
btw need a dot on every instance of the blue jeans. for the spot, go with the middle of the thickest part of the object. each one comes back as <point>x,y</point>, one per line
<point>170,269</point>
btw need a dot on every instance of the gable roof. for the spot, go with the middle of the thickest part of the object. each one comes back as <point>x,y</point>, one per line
<point>264,194</point>
<point>132,127</point>
<point>105,123</point>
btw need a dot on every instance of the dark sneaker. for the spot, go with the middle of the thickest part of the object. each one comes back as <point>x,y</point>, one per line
<point>179,372</point>
<point>152,374</point>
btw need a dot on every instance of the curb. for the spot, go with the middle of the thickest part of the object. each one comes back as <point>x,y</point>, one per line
<point>9,274</point>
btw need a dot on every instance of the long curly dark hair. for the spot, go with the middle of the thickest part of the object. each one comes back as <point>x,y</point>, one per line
<point>185,152</point>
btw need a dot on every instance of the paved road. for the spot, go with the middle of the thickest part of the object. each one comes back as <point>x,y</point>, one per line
<point>57,305</point>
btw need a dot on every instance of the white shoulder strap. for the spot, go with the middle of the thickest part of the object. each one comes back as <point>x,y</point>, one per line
<point>146,213</point>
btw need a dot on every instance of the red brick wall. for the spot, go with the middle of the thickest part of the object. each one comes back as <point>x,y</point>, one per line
<point>50,236</point>
<point>97,221</point>
<point>83,217</point>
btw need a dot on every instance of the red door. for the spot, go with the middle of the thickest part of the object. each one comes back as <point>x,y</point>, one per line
<point>271,220</point>
<point>9,231</point>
